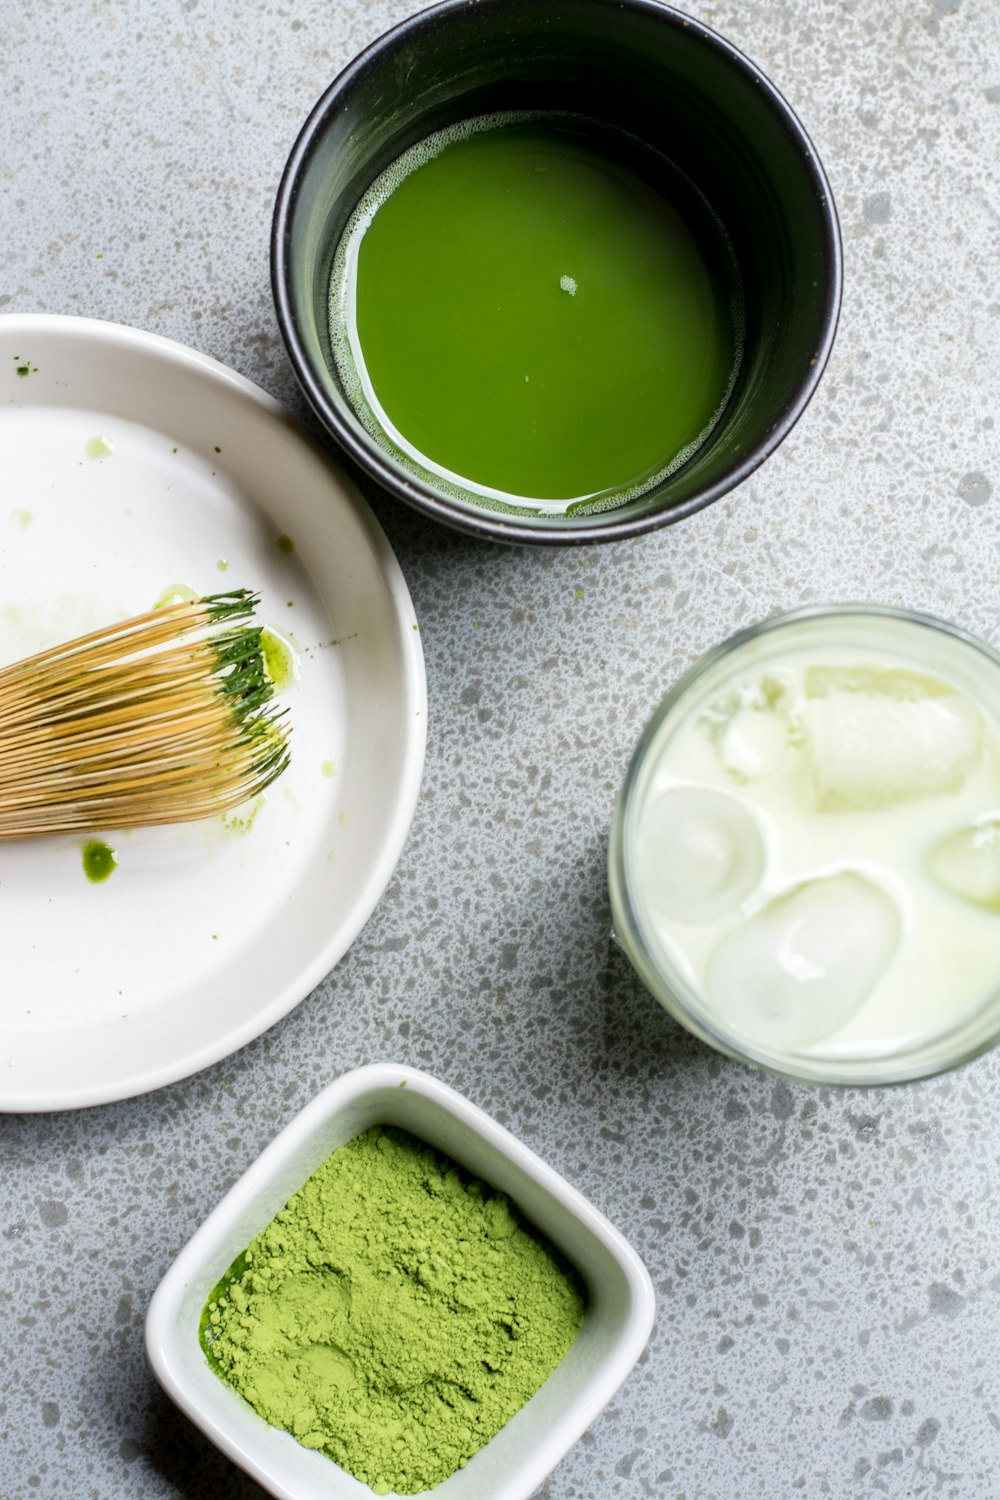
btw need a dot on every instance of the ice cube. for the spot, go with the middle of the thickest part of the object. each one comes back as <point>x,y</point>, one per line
<point>880,737</point>
<point>701,852</point>
<point>753,744</point>
<point>798,969</point>
<point>967,863</point>
<point>754,726</point>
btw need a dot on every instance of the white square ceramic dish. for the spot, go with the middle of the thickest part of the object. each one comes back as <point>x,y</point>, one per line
<point>616,1326</point>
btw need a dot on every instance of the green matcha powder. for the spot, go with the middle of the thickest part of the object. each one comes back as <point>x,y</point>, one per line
<point>394,1315</point>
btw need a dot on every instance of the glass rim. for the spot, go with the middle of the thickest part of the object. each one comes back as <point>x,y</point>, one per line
<point>668,985</point>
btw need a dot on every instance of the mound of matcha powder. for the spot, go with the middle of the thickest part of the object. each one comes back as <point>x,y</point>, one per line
<point>394,1315</point>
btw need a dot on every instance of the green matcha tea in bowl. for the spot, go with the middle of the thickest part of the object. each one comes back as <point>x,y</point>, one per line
<point>397,1297</point>
<point>555,273</point>
<point>537,312</point>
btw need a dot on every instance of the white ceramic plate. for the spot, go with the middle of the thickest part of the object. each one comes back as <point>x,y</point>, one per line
<point>206,933</point>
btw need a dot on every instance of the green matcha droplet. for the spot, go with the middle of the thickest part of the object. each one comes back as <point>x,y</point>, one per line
<point>99,860</point>
<point>243,819</point>
<point>176,593</point>
<point>281,660</point>
<point>99,446</point>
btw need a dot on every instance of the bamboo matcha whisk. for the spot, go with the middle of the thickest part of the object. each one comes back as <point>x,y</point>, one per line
<point>160,719</point>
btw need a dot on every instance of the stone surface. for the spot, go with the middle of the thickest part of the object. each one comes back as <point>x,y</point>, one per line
<point>826,1264</point>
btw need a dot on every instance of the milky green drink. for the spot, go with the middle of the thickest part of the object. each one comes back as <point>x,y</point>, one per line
<point>805,860</point>
<point>539,313</point>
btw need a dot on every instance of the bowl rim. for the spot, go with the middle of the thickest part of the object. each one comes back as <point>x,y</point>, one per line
<point>412,490</point>
<point>163,1335</point>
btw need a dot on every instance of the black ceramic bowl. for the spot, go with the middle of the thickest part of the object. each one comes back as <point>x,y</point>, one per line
<point>634,64</point>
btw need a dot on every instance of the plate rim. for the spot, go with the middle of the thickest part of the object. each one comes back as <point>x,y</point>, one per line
<point>413,738</point>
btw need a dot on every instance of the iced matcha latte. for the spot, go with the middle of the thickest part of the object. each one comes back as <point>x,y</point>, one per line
<point>805,862</point>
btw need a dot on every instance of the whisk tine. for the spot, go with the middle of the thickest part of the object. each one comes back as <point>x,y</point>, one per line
<point>162,718</point>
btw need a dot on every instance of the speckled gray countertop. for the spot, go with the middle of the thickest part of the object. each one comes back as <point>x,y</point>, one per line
<point>827,1265</point>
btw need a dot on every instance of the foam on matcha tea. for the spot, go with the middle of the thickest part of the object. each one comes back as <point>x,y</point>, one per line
<point>537,313</point>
